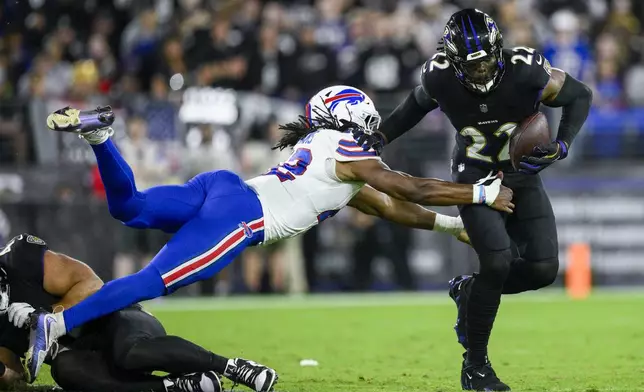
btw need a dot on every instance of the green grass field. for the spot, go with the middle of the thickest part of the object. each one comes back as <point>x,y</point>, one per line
<point>405,342</point>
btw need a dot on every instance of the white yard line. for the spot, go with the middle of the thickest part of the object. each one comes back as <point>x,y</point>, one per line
<point>321,301</point>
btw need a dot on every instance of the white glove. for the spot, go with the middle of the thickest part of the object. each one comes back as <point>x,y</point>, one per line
<point>487,193</point>
<point>19,313</point>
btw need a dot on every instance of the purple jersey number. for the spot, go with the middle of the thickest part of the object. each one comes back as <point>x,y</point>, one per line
<point>295,166</point>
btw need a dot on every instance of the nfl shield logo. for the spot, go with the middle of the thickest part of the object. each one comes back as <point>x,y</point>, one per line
<point>483,108</point>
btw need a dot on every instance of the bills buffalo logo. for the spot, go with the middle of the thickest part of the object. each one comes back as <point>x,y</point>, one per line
<point>349,96</point>
<point>248,232</point>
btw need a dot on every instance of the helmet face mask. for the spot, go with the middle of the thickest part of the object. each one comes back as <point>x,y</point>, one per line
<point>474,46</point>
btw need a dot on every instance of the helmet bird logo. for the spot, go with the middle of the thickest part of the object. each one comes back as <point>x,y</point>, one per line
<point>349,96</point>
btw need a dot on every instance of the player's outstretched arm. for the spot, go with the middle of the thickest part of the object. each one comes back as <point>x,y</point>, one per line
<point>69,279</point>
<point>425,191</point>
<point>410,111</point>
<point>373,202</point>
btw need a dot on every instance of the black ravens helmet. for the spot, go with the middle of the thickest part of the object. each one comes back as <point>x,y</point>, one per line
<point>473,44</point>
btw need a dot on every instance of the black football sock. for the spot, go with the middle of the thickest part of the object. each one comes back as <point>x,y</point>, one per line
<point>482,305</point>
<point>173,355</point>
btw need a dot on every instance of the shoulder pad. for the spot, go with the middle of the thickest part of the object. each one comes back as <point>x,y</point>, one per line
<point>32,239</point>
<point>23,255</point>
<point>530,66</point>
<point>20,241</point>
<point>432,71</point>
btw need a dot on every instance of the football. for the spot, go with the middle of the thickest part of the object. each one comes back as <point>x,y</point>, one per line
<point>529,133</point>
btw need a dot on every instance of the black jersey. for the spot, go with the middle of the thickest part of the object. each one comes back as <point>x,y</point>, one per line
<point>22,262</point>
<point>484,122</point>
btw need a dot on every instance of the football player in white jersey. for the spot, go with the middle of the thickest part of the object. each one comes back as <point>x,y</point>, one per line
<point>216,215</point>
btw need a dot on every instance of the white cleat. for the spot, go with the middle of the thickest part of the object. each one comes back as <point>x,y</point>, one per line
<point>194,382</point>
<point>255,376</point>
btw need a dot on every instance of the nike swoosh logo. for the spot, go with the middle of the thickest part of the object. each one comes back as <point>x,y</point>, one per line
<point>468,376</point>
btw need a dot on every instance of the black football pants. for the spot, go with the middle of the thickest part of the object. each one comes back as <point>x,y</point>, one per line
<point>517,252</point>
<point>122,351</point>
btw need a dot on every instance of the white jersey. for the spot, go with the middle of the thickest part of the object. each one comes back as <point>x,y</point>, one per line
<point>303,191</point>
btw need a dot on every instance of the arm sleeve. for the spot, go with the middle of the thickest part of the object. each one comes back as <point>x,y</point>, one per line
<point>415,106</point>
<point>575,98</point>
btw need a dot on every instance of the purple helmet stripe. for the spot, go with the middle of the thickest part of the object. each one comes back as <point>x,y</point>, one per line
<point>467,42</point>
<point>476,37</point>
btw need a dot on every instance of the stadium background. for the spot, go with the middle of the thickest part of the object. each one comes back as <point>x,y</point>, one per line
<point>200,85</point>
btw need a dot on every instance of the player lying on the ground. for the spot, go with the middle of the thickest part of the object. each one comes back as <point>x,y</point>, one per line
<point>216,215</point>
<point>117,352</point>
<point>485,91</point>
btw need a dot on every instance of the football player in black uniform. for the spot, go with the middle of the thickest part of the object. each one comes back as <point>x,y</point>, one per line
<point>485,91</point>
<point>115,353</point>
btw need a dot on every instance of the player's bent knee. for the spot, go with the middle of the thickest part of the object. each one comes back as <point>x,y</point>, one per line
<point>495,266</point>
<point>128,359</point>
<point>126,211</point>
<point>545,272</point>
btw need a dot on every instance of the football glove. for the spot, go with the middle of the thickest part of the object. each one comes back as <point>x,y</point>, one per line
<point>368,139</point>
<point>543,156</point>
<point>19,313</point>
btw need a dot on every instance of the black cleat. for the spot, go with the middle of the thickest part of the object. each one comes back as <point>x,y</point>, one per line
<point>69,119</point>
<point>481,378</point>
<point>195,382</point>
<point>459,294</point>
<point>257,377</point>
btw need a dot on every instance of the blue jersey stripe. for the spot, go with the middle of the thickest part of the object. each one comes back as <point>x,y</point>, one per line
<point>348,153</point>
<point>348,143</point>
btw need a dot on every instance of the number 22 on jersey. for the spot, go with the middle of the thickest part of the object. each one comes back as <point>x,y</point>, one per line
<point>479,141</point>
<point>296,165</point>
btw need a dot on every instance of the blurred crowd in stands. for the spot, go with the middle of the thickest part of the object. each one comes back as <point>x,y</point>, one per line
<point>290,49</point>
<point>141,55</point>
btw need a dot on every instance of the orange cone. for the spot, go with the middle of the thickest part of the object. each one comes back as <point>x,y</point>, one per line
<point>578,271</point>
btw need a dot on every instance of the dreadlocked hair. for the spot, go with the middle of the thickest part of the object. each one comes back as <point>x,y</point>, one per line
<point>294,131</point>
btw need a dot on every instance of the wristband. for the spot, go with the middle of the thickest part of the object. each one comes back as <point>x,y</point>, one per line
<point>447,224</point>
<point>478,194</point>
